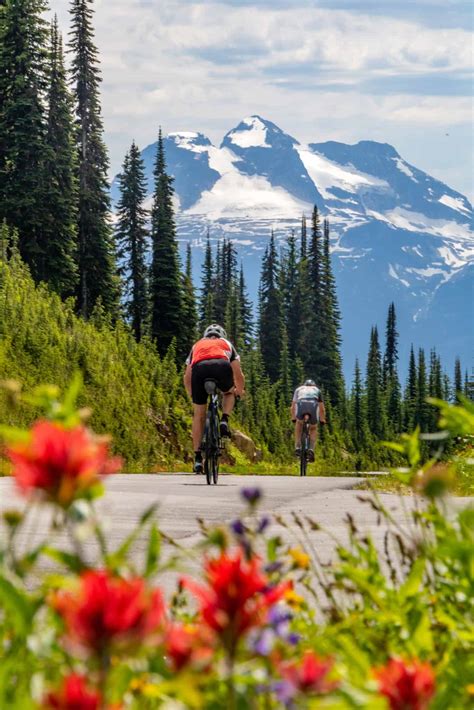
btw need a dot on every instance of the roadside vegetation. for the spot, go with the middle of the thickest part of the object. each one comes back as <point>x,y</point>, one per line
<point>263,625</point>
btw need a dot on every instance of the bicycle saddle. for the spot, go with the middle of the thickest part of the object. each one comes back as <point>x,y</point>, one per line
<point>210,386</point>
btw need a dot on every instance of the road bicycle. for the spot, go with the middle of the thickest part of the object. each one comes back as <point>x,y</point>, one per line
<point>212,443</point>
<point>304,445</point>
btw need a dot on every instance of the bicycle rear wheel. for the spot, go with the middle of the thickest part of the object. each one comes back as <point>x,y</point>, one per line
<point>304,450</point>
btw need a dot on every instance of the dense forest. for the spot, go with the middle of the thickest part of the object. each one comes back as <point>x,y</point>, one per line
<point>114,300</point>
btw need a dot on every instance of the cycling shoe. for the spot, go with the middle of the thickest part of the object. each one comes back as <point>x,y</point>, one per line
<point>224,429</point>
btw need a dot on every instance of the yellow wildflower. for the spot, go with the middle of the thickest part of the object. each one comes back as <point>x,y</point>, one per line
<point>300,559</point>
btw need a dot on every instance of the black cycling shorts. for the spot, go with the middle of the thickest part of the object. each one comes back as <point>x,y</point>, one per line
<point>218,370</point>
<point>308,406</point>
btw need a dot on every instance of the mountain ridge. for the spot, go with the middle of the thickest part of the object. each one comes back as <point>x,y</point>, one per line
<point>395,230</point>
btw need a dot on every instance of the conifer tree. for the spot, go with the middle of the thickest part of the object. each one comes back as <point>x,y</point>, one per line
<point>391,383</point>
<point>23,123</point>
<point>313,345</point>
<point>304,237</point>
<point>435,387</point>
<point>375,409</point>
<point>270,312</point>
<point>190,316</point>
<point>285,379</point>
<point>330,357</point>
<point>422,417</point>
<point>468,386</point>
<point>220,293</point>
<point>232,320</point>
<point>457,379</point>
<point>291,296</point>
<point>56,262</point>
<point>358,409</point>
<point>132,240</point>
<point>206,302</point>
<point>446,387</point>
<point>165,278</point>
<point>411,393</point>
<point>96,253</point>
<point>246,311</point>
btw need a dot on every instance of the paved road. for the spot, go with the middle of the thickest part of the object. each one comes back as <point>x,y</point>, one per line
<point>184,497</point>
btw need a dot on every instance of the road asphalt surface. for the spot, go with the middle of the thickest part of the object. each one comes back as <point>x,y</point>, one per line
<point>182,498</point>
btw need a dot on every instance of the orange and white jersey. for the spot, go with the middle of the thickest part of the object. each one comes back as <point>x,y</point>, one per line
<point>212,349</point>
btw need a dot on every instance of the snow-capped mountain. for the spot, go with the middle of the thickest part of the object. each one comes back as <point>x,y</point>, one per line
<point>397,233</point>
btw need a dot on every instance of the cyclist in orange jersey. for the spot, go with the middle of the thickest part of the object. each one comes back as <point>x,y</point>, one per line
<point>213,357</point>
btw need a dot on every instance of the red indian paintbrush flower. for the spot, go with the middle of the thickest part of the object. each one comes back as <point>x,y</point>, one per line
<point>73,695</point>
<point>237,596</point>
<point>106,610</point>
<point>188,646</point>
<point>407,685</point>
<point>308,674</point>
<point>62,463</point>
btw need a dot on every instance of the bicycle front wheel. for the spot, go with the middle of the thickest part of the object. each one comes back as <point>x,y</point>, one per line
<point>304,452</point>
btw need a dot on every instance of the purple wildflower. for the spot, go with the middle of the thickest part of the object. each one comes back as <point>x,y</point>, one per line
<point>273,567</point>
<point>251,495</point>
<point>293,639</point>
<point>263,524</point>
<point>262,643</point>
<point>237,527</point>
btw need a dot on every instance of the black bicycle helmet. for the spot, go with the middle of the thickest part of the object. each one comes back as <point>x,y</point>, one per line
<point>310,383</point>
<point>216,330</point>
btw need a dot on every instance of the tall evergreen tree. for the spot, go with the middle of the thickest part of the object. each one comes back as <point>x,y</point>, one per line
<point>23,123</point>
<point>468,386</point>
<point>291,296</point>
<point>219,287</point>
<point>165,279</point>
<point>246,311</point>
<point>358,409</point>
<point>132,240</point>
<point>304,238</point>
<point>270,313</point>
<point>391,383</point>
<point>375,409</point>
<point>330,341</point>
<point>313,347</point>
<point>411,393</point>
<point>56,262</point>
<point>422,417</point>
<point>190,315</point>
<point>206,301</point>
<point>457,379</point>
<point>96,254</point>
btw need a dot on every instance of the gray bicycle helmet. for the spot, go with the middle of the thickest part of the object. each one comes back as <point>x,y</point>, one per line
<point>215,329</point>
<point>310,383</point>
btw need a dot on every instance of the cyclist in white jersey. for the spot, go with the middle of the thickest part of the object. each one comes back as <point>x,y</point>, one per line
<point>307,399</point>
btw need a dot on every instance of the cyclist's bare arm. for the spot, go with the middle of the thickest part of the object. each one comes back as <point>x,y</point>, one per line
<point>293,411</point>
<point>187,379</point>
<point>239,379</point>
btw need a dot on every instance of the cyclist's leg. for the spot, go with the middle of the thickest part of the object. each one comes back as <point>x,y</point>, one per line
<point>225,382</point>
<point>199,422</point>
<point>199,396</point>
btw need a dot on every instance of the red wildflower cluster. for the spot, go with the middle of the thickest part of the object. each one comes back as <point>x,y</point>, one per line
<point>407,685</point>
<point>61,462</point>
<point>308,674</point>
<point>73,695</point>
<point>107,609</point>
<point>237,596</point>
<point>188,646</point>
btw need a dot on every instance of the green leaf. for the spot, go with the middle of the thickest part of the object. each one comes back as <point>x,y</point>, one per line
<point>67,559</point>
<point>153,551</point>
<point>19,608</point>
<point>119,556</point>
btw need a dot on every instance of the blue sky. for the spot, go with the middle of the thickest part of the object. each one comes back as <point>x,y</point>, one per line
<point>347,70</point>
